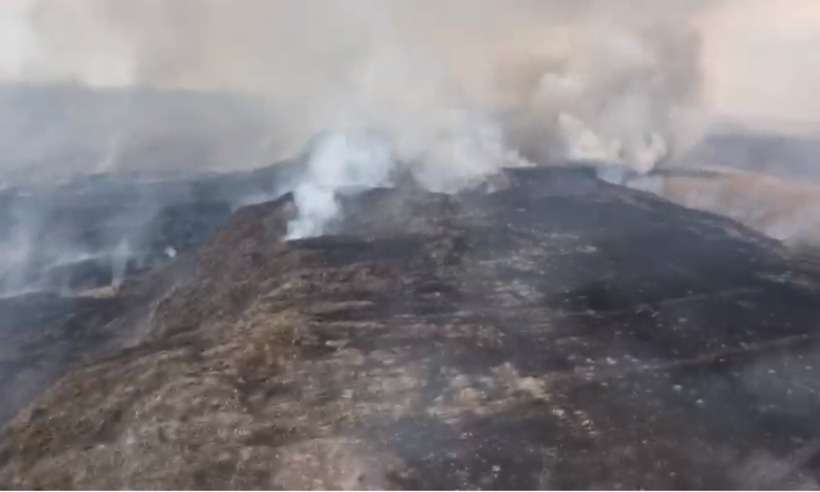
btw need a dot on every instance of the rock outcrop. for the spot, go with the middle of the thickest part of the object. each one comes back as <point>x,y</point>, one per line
<point>549,331</point>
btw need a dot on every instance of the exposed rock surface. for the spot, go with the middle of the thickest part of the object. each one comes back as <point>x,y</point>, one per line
<point>550,331</point>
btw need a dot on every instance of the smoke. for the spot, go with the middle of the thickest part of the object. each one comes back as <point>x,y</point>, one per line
<point>446,156</point>
<point>762,65</point>
<point>119,263</point>
<point>625,73</point>
<point>17,244</point>
<point>338,162</point>
<point>454,89</point>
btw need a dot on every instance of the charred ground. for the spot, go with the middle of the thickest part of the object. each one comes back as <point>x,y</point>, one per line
<point>550,330</point>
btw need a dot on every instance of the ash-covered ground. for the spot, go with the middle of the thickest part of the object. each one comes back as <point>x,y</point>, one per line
<point>533,244</point>
<point>78,255</point>
<point>546,329</point>
<point>93,231</point>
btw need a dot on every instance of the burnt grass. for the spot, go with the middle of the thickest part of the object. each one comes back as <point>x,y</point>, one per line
<point>556,331</point>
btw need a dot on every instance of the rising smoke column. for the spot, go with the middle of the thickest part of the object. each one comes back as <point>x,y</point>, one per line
<point>456,89</point>
<point>330,65</point>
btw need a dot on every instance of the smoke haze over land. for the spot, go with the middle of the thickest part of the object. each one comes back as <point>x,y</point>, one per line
<point>166,166</point>
<point>452,89</point>
<point>578,78</point>
<point>552,79</point>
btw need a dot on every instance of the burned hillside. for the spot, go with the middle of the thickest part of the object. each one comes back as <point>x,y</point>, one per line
<point>93,231</point>
<point>546,330</point>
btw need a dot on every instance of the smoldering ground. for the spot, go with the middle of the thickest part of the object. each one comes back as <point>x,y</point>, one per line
<point>451,90</point>
<point>448,91</point>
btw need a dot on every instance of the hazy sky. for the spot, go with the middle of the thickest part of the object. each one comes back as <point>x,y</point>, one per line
<point>762,59</point>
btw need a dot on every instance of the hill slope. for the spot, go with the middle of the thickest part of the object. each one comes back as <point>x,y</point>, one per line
<point>553,331</point>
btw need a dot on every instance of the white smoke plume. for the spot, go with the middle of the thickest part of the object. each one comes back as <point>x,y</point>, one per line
<point>455,88</point>
<point>338,161</point>
<point>330,64</point>
<point>119,263</point>
<point>445,156</point>
<point>17,245</point>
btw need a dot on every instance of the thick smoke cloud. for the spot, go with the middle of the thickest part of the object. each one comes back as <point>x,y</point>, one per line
<point>457,89</point>
<point>579,78</point>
